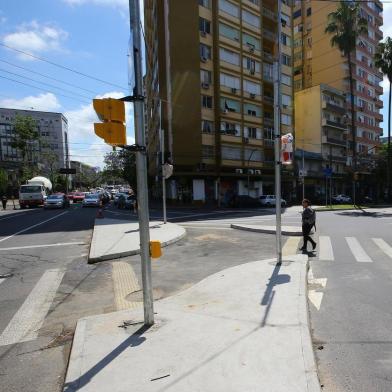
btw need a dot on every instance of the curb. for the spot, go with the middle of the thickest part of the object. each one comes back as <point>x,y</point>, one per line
<point>267,230</point>
<point>133,252</point>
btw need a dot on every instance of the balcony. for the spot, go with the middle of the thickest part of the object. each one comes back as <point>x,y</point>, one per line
<point>268,99</point>
<point>268,121</point>
<point>329,123</point>
<point>330,140</point>
<point>267,34</point>
<point>333,107</point>
<point>268,56</point>
<point>269,14</point>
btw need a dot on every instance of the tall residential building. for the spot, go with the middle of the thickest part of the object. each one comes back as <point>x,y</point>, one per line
<point>317,63</point>
<point>216,57</point>
<point>53,134</point>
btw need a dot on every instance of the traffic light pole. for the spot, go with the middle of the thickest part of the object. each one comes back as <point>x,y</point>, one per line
<point>141,165</point>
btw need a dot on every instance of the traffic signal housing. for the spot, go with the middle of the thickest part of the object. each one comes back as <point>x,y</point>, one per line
<point>112,114</point>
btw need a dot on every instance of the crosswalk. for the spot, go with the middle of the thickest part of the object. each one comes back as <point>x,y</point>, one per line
<point>361,250</point>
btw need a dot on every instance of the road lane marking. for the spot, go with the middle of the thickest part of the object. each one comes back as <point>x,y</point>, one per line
<point>291,246</point>
<point>383,246</point>
<point>44,246</point>
<point>16,215</point>
<point>357,250</point>
<point>32,227</point>
<point>315,297</point>
<point>326,251</point>
<point>2,280</point>
<point>125,282</point>
<point>27,321</point>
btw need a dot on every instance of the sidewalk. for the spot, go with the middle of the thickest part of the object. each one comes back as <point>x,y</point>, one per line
<point>286,230</point>
<point>242,329</point>
<point>114,238</point>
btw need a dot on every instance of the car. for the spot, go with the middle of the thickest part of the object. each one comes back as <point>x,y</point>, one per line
<point>341,199</point>
<point>92,200</point>
<point>126,201</point>
<point>57,200</point>
<point>244,201</point>
<point>270,201</point>
<point>70,195</point>
<point>78,197</point>
<point>117,196</point>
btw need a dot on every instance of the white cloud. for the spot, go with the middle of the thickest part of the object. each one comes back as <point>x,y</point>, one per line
<point>45,102</point>
<point>387,15</point>
<point>85,146</point>
<point>36,38</point>
<point>111,3</point>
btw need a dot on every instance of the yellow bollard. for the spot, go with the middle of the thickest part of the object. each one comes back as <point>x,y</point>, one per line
<point>155,249</point>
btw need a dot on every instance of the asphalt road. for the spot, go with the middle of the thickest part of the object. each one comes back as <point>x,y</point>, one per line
<point>352,328</point>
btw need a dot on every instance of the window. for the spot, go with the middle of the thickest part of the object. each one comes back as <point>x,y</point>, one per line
<point>253,155</point>
<point>229,8</point>
<point>229,56</point>
<point>229,32</point>
<point>308,11</point>
<point>205,52</point>
<point>204,26</point>
<point>205,76</point>
<point>253,133</point>
<point>298,42</point>
<point>205,3</point>
<point>267,72</point>
<point>286,100</point>
<point>297,14</point>
<point>256,2</point>
<point>250,19</point>
<point>286,119</point>
<point>207,126</point>
<point>229,128</point>
<point>286,60</point>
<point>252,87</point>
<point>207,151</point>
<point>298,56</point>
<point>206,101</point>
<point>285,39</point>
<point>361,73</point>
<point>286,79</point>
<point>251,42</point>
<point>251,65</point>
<point>230,105</point>
<point>231,153</point>
<point>229,81</point>
<point>285,20</point>
<point>252,110</point>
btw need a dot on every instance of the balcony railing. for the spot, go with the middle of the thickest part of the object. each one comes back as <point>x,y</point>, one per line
<point>334,124</point>
<point>269,35</point>
<point>331,140</point>
<point>269,14</point>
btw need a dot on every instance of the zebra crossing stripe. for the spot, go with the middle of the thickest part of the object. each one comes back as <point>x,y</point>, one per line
<point>326,251</point>
<point>27,321</point>
<point>383,246</point>
<point>357,250</point>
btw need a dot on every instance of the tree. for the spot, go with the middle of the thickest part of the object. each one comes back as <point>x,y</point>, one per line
<point>26,136</point>
<point>346,25</point>
<point>383,61</point>
<point>3,181</point>
<point>120,166</point>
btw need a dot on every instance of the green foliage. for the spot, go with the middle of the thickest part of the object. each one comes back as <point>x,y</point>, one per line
<point>26,136</point>
<point>383,58</point>
<point>120,166</point>
<point>3,181</point>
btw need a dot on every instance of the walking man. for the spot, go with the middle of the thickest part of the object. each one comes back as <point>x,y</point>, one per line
<point>308,221</point>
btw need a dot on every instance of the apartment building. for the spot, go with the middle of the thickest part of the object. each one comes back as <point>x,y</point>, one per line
<point>53,134</point>
<point>316,63</point>
<point>211,67</point>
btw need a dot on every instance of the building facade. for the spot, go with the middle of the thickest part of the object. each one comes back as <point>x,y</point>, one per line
<point>317,63</point>
<point>85,175</point>
<point>53,135</point>
<point>209,85</point>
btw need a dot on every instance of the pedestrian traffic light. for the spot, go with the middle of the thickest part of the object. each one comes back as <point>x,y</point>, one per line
<point>112,114</point>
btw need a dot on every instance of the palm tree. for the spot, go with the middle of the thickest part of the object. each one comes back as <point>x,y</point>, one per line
<point>383,61</point>
<point>346,25</point>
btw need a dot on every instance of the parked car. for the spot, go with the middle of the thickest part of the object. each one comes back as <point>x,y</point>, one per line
<point>92,200</point>
<point>57,200</point>
<point>270,201</point>
<point>126,201</point>
<point>70,195</point>
<point>78,197</point>
<point>117,196</point>
<point>341,199</point>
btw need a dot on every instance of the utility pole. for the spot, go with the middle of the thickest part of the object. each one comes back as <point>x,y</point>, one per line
<point>163,175</point>
<point>141,164</point>
<point>303,170</point>
<point>277,115</point>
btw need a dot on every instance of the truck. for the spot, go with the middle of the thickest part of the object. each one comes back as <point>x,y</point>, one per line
<point>34,192</point>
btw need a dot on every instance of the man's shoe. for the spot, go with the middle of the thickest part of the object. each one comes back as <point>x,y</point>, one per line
<point>314,245</point>
<point>303,249</point>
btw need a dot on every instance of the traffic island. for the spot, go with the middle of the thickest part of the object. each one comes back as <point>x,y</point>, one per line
<point>286,230</point>
<point>245,328</point>
<point>114,238</point>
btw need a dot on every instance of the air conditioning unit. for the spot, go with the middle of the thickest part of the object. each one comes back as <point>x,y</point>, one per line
<point>251,171</point>
<point>234,90</point>
<point>205,85</point>
<point>239,171</point>
<point>258,172</point>
<point>253,96</point>
<point>203,33</point>
<point>203,59</point>
<point>245,140</point>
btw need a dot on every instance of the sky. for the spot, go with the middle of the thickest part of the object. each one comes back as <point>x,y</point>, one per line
<point>89,36</point>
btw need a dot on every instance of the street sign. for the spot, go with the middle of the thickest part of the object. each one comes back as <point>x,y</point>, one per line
<point>327,172</point>
<point>65,170</point>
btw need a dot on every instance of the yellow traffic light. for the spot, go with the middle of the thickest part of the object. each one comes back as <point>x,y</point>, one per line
<point>112,113</point>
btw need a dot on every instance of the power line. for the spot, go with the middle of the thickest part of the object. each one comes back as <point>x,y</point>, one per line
<point>61,66</point>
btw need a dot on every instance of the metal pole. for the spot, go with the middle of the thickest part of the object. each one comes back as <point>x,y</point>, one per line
<point>277,106</point>
<point>163,177</point>
<point>141,165</point>
<point>303,172</point>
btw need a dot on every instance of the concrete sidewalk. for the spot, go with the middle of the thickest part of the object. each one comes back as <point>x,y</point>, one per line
<point>115,238</point>
<point>286,230</point>
<point>243,329</point>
